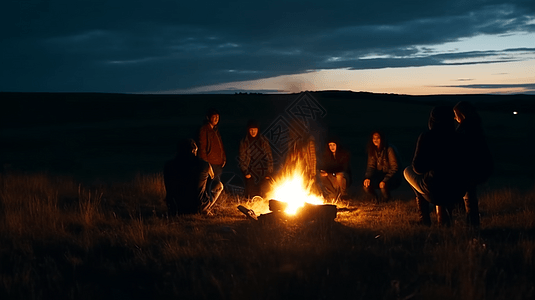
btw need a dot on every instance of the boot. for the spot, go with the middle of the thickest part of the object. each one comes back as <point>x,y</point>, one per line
<point>443,216</point>
<point>423,211</point>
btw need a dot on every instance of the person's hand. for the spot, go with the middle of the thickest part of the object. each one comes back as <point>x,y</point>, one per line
<point>366,183</point>
<point>323,173</point>
<point>382,185</point>
<point>211,172</point>
<point>248,176</point>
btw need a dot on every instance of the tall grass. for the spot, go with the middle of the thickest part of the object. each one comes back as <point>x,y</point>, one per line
<point>63,240</point>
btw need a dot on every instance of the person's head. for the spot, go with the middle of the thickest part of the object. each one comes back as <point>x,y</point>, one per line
<point>252,128</point>
<point>333,144</point>
<point>186,147</point>
<point>464,110</point>
<point>212,116</point>
<point>441,117</point>
<point>377,141</point>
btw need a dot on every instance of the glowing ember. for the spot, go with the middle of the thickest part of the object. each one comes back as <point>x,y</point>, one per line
<point>294,189</point>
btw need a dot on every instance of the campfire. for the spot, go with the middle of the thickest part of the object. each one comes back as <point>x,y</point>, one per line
<point>292,195</point>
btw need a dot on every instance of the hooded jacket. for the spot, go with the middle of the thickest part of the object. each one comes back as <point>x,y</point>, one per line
<point>254,151</point>
<point>477,158</point>
<point>437,156</point>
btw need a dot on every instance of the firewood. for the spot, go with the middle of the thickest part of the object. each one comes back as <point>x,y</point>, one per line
<point>276,205</point>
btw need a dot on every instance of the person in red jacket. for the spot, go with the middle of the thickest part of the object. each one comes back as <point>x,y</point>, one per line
<point>211,146</point>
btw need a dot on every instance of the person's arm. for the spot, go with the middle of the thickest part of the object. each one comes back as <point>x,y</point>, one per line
<point>203,144</point>
<point>313,160</point>
<point>420,161</point>
<point>244,157</point>
<point>393,163</point>
<point>371,165</point>
<point>269,156</point>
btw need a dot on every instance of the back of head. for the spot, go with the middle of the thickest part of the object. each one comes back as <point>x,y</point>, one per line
<point>186,147</point>
<point>468,110</point>
<point>441,118</point>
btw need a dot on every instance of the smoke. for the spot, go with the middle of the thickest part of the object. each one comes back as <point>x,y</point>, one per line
<point>297,85</point>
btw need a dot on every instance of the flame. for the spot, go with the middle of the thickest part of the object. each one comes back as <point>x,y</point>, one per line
<point>294,188</point>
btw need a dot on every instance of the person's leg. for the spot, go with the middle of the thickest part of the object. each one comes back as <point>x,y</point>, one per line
<point>472,207</point>
<point>341,183</point>
<point>328,186</point>
<point>249,187</point>
<point>416,182</point>
<point>211,197</point>
<point>375,179</point>
<point>265,185</point>
<point>443,215</point>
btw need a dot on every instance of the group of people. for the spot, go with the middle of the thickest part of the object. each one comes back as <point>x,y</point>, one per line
<point>448,164</point>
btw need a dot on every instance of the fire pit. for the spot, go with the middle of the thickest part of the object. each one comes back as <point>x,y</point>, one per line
<point>293,197</point>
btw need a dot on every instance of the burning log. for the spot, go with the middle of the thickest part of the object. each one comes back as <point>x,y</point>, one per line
<point>277,206</point>
<point>309,212</point>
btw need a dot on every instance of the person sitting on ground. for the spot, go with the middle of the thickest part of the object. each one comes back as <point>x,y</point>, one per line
<point>477,159</point>
<point>382,170</point>
<point>188,190</point>
<point>256,161</point>
<point>434,174</point>
<point>335,171</point>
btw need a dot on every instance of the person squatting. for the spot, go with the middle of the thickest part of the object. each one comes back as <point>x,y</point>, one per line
<point>448,164</point>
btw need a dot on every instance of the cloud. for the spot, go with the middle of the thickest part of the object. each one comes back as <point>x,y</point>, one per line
<point>120,46</point>
<point>527,88</point>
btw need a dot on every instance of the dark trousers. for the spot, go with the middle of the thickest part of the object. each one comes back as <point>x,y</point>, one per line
<point>376,178</point>
<point>334,185</point>
<point>444,199</point>
<point>256,187</point>
<point>472,206</point>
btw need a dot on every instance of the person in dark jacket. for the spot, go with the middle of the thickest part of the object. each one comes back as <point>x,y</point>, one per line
<point>477,159</point>
<point>256,161</point>
<point>186,182</point>
<point>434,174</point>
<point>210,144</point>
<point>383,166</point>
<point>335,171</point>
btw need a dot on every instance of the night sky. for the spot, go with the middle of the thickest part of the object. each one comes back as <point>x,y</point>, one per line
<point>164,46</point>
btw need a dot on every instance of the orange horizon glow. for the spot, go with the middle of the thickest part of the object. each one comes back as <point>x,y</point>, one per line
<point>429,80</point>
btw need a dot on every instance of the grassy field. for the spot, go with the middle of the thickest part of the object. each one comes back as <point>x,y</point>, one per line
<point>63,240</point>
<point>82,213</point>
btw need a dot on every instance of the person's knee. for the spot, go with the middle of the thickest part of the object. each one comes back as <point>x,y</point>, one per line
<point>407,172</point>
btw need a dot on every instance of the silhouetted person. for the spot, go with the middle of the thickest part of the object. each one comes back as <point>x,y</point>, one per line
<point>210,144</point>
<point>435,174</point>
<point>383,167</point>
<point>335,171</point>
<point>256,161</point>
<point>477,159</point>
<point>188,189</point>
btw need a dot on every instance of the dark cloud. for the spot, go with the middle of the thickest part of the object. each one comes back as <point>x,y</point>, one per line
<point>528,88</point>
<point>141,46</point>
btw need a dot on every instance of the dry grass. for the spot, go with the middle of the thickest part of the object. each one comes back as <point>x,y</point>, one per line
<point>62,240</point>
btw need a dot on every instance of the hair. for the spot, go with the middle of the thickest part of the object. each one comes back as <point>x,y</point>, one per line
<point>253,124</point>
<point>469,112</point>
<point>185,146</point>
<point>382,145</point>
<point>211,112</point>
